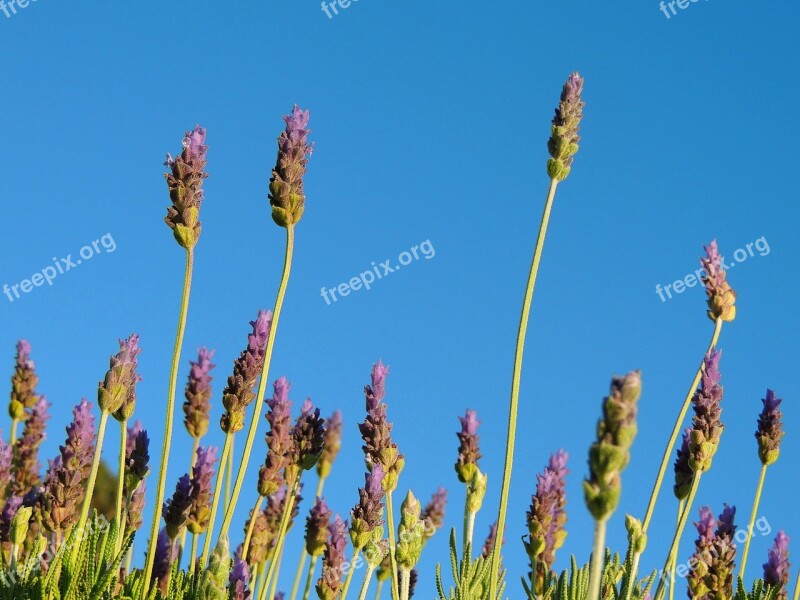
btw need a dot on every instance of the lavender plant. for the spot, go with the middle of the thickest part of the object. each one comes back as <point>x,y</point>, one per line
<point>53,545</point>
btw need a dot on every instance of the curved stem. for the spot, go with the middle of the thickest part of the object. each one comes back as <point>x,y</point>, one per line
<point>173,385</point>
<point>251,525</point>
<point>310,578</point>
<point>226,448</point>
<point>350,571</point>
<point>515,385</point>
<point>262,385</point>
<point>598,558</point>
<point>362,595</point>
<point>681,508</point>
<point>756,502</point>
<point>287,515</point>
<point>673,550</point>
<point>392,545</point>
<point>123,434</point>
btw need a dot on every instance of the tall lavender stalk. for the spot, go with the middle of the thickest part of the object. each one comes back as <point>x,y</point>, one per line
<point>23,387</point>
<point>185,176</point>
<point>777,567</point>
<point>469,473</point>
<point>562,146</point>
<point>287,199</point>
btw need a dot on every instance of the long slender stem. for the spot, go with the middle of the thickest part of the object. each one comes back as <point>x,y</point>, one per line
<point>262,385</point>
<point>379,590</point>
<point>193,554</point>
<point>173,386</point>
<point>350,572</point>
<point>14,423</point>
<point>87,501</point>
<point>515,386</point>
<point>229,474</point>
<point>273,588</point>
<point>262,592</point>
<point>303,554</point>
<point>392,545</point>
<point>598,558</point>
<point>362,595</point>
<point>226,448</point>
<point>756,502</point>
<point>405,584</point>
<point>673,568</point>
<point>287,515</point>
<point>251,525</point>
<point>123,435</point>
<point>311,567</point>
<point>673,549</point>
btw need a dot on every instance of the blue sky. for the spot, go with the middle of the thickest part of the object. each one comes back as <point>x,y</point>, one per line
<point>430,122</point>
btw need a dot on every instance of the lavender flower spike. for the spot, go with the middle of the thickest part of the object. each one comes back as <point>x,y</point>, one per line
<point>166,553</point>
<point>564,138</point>
<point>330,584</point>
<point>239,392</point>
<point>137,456</point>
<point>432,514</point>
<point>23,382</point>
<point>197,407</point>
<point>469,449</point>
<point>309,436</point>
<point>286,193</point>
<point>116,394</point>
<point>721,297</point>
<point>777,567</point>
<point>707,427</point>
<point>202,493</point>
<point>280,443</point>
<point>547,516</point>
<point>25,460</point>
<point>367,514</point>
<point>317,523</point>
<point>239,580</point>
<point>770,429</point>
<point>683,472</point>
<point>185,183</point>
<point>176,509</point>
<point>332,444</point>
<point>715,553</point>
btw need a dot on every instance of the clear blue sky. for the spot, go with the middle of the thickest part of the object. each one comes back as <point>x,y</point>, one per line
<point>430,121</point>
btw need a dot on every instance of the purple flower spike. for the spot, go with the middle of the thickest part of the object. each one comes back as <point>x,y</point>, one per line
<point>376,431</point>
<point>197,406</point>
<point>329,585</point>
<point>564,138</point>
<point>491,540</point>
<point>777,567</point>
<point>116,394</point>
<point>280,444</point>
<point>239,391</point>
<point>137,456</point>
<point>239,580</point>
<point>317,523</point>
<point>721,297</point>
<point>286,193</point>
<point>332,445</point>
<point>770,429</point>
<point>202,493</point>
<point>433,513</point>
<point>469,452</point>
<point>166,553</point>
<point>715,555</point>
<point>309,437</point>
<point>185,183</point>
<point>379,373</point>
<point>176,509</point>
<point>25,459</point>
<point>547,517</point>
<point>683,472</point>
<point>367,514</point>
<point>707,427</point>
<point>133,517</point>
<point>23,382</point>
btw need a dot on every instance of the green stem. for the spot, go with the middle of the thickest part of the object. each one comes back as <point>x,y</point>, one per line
<point>262,592</point>
<point>673,550</point>
<point>673,568</point>
<point>251,525</point>
<point>392,545</point>
<point>121,482</point>
<point>405,584</point>
<point>229,474</point>
<point>87,501</point>
<point>469,530</point>
<point>173,386</point>
<point>262,385</point>
<point>651,505</point>
<point>310,578</point>
<point>287,515</point>
<point>274,586</point>
<point>515,386</point>
<point>226,448</point>
<point>797,589</point>
<point>756,502</point>
<point>14,423</point>
<point>598,558</point>
<point>365,585</point>
<point>379,590</point>
<point>303,554</point>
<point>193,554</point>
<point>350,571</point>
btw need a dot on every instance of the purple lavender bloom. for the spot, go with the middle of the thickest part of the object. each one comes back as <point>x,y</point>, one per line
<point>309,437</point>
<point>137,456</point>
<point>770,429</point>
<point>367,514</point>
<point>332,444</point>
<point>133,516</point>
<point>376,431</point>
<point>166,553</point>
<point>280,444</point>
<point>286,193</point>
<point>329,585</point>
<point>116,394</point>
<point>317,523</point>
<point>715,555</point>
<point>433,513</point>
<point>469,452</point>
<point>202,493</point>
<point>185,184</point>
<point>197,407</point>
<point>176,509</point>
<point>707,427</point>
<point>25,461</point>
<point>721,297</point>
<point>239,391</point>
<point>239,580</point>
<point>491,540</point>
<point>23,382</point>
<point>777,567</point>
<point>564,138</point>
<point>683,472</point>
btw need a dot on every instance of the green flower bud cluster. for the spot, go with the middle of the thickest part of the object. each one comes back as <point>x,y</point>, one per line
<point>410,534</point>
